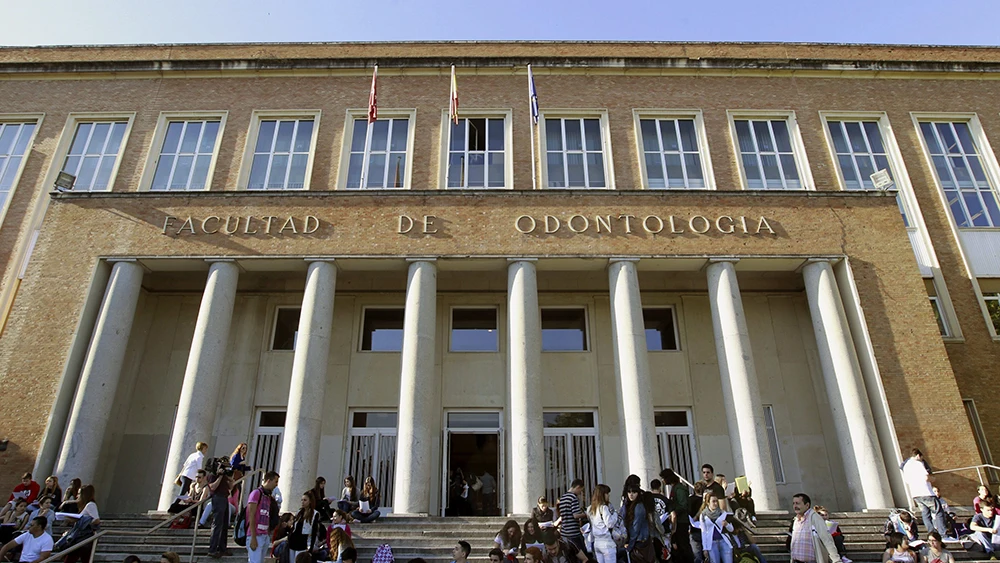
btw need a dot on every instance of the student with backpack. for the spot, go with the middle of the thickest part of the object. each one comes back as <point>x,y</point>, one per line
<point>258,519</point>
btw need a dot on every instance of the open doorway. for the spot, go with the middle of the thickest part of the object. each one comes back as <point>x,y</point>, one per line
<point>473,461</point>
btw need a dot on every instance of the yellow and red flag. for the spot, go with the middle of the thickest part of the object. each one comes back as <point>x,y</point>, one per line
<point>373,98</point>
<point>453,98</point>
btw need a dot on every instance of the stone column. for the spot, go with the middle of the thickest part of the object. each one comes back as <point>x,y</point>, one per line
<point>203,376</point>
<point>740,390</point>
<point>303,427</point>
<point>852,414</point>
<point>418,393</point>
<point>632,370</point>
<point>95,395</point>
<point>525,365</point>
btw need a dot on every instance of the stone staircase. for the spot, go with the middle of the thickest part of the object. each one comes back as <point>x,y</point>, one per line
<point>433,538</point>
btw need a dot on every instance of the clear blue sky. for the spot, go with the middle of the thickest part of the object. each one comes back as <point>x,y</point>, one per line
<point>61,22</point>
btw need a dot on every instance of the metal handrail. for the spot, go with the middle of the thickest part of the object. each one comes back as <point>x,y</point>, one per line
<point>979,470</point>
<point>194,537</point>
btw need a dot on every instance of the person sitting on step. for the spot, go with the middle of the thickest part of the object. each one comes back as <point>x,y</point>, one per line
<point>368,502</point>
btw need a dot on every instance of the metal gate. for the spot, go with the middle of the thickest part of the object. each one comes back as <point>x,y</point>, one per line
<point>571,452</point>
<point>372,451</point>
<point>265,450</point>
<point>675,443</point>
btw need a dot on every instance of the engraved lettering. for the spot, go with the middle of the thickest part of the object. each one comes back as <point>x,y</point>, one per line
<point>586,223</point>
<point>310,220</point>
<point>519,220</point>
<point>246,228</point>
<point>603,220</point>
<point>763,224</point>
<point>270,220</point>
<point>652,230</point>
<point>405,224</point>
<point>289,224</point>
<point>189,224</point>
<point>205,221</point>
<point>429,227</point>
<point>728,229</point>
<point>167,222</point>
<point>673,228</point>
<point>707,224</point>
<point>628,222</point>
<point>549,229</point>
<point>743,223</point>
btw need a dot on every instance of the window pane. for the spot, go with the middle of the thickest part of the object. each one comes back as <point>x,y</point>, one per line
<point>376,171</point>
<point>80,140</point>
<point>574,139</point>
<point>380,135</point>
<point>265,136</point>
<point>303,137</point>
<point>752,171</point>
<point>781,135</point>
<point>595,167</point>
<point>763,136</point>
<point>874,137</point>
<point>279,165</point>
<point>553,134</point>
<point>208,137</point>
<point>659,326</point>
<point>851,181</point>
<point>855,136</point>
<point>286,328</point>
<point>374,420</point>
<point>383,330</point>
<point>474,330</point>
<point>771,173</point>
<point>162,172</point>
<point>104,173</point>
<point>592,131</point>
<point>947,138</point>
<point>456,170</point>
<point>400,127</point>
<point>574,165</point>
<point>693,164</point>
<point>473,420</point>
<point>496,171</point>
<point>744,137</point>
<point>647,128</point>
<point>72,165</point>
<point>8,134</point>
<point>669,135</point>
<point>7,180</point>
<point>87,170</point>
<point>477,170</point>
<point>358,136</point>
<point>965,137</point>
<point>670,418</point>
<point>477,135</point>
<point>457,135</point>
<point>674,170</point>
<point>115,142</point>
<point>181,172</point>
<point>837,134</point>
<point>258,171</point>
<point>297,175</point>
<point>555,170</point>
<point>191,133</point>
<point>564,329</point>
<point>791,171</point>
<point>689,140</point>
<point>496,135</point>
<point>98,138</point>
<point>654,170</point>
<point>200,172</point>
<point>354,170</point>
<point>397,174</point>
<point>568,420</point>
<point>22,141</point>
<point>284,141</point>
<point>927,130</point>
<point>173,137</point>
<point>866,170</point>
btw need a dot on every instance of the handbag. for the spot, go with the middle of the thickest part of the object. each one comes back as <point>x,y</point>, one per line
<point>618,533</point>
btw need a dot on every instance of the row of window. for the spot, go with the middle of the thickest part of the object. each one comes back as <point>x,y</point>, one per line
<point>475,329</point>
<point>576,153</point>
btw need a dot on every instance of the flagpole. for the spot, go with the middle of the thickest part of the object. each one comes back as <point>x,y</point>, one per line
<point>366,156</point>
<point>531,128</point>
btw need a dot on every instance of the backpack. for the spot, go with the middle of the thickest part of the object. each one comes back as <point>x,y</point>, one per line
<point>741,555</point>
<point>383,554</point>
<point>240,526</point>
<point>81,530</point>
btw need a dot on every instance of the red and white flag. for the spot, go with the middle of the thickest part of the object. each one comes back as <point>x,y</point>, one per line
<point>373,98</point>
<point>453,98</point>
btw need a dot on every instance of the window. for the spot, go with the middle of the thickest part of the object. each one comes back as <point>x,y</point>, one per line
<point>15,139</point>
<point>281,154</point>
<point>382,154</point>
<point>676,443</point>
<point>286,328</point>
<point>362,419</point>
<point>993,307</point>
<point>860,152</point>
<point>474,330</point>
<point>477,153</point>
<point>564,330</point>
<point>961,172</point>
<point>93,154</point>
<point>936,305</point>
<point>981,443</point>
<point>382,330</point>
<point>574,153</point>
<point>186,154</point>
<point>661,333</point>
<point>772,439</point>
<point>767,154</point>
<point>583,419</point>
<point>671,154</point>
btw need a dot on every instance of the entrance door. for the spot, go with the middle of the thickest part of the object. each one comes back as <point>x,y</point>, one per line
<point>571,451</point>
<point>675,442</point>
<point>372,451</point>
<point>473,458</point>
<point>265,449</point>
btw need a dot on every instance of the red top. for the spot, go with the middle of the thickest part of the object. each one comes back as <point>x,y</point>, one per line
<point>28,493</point>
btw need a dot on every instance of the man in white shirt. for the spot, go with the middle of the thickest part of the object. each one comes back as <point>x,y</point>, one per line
<point>36,545</point>
<point>194,462</point>
<point>917,476</point>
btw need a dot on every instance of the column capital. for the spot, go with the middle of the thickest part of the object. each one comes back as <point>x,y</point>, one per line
<point>424,259</point>
<point>617,259</point>
<point>719,259</point>
<point>522,259</point>
<point>319,259</point>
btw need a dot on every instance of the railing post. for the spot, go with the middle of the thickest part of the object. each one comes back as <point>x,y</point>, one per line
<point>194,536</point>
<point>979,473</point>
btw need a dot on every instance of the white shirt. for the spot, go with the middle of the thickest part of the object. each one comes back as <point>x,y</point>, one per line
<point>91,510</point>
<point>32,547</point>
<point>192,464</point>
<point>915,476</point>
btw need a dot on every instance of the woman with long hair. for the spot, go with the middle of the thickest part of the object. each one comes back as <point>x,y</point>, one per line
<point>509,539</point>
<point>279,537</point>
<point>983,493</point>
<point>14,521</point>
<point>532,535</point>
<point>640,514</point>
<point>72,493</point>
<point>322,503</point>
<point>631,480</point>
<point>898,550</point>
<point>339,519</point>
<point>44,510</point>
<point>238,461</point>
<point>307,530</point>
<point>87,508</point>
<point>602,521</point>
<point>51,489</point>
<point>339,542</point>
<point>369,494</point>
<point>348,495</point>
<point>714,543</point>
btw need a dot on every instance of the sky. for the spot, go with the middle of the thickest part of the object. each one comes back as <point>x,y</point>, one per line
<point>74,22</point>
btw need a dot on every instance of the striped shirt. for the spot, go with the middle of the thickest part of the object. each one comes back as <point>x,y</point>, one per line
<point>802,548</point>
<point>569,504</point>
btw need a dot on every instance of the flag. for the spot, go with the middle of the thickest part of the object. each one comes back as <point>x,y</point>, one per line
<point>532,96</point>
<point>453,101</point>
<point>373,98</point>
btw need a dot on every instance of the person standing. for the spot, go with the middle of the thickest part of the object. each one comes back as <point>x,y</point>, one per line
<point>809,533</point>
<point>36,545</point>
<point>917,476</point>
<point>194,462</point>
<point>259,507</point>
<point>602,521</point>
<point>220,489</point>
<point>712,486</point>
<point>570,514</point>
<point>716,546</point>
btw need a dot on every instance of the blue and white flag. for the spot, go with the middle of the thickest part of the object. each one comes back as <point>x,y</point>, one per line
<point>532,96</point>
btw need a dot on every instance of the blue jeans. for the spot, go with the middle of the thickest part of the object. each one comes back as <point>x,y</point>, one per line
<point>263,546</point>
<point>366,518</point>
<point>720,552</point>
<point>986,541</point>
<point>932,514</point>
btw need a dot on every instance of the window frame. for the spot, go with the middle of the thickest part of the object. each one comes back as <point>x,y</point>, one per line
<point>606,147</point>
<point>256,118</point>
<point>795,138</point>
<point>677,333</point>
<point>451,328</point>
<point>348,137</point>
<point>361,327</point>
<point>73,120</point>
<point>587,340</point>
<point>159,135</point>
<point>780,475</point>
<point>704,154</point>
<point>274,328</point>
<point>508,145</point>
<point>20,118</point>
<point>938,306</point>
